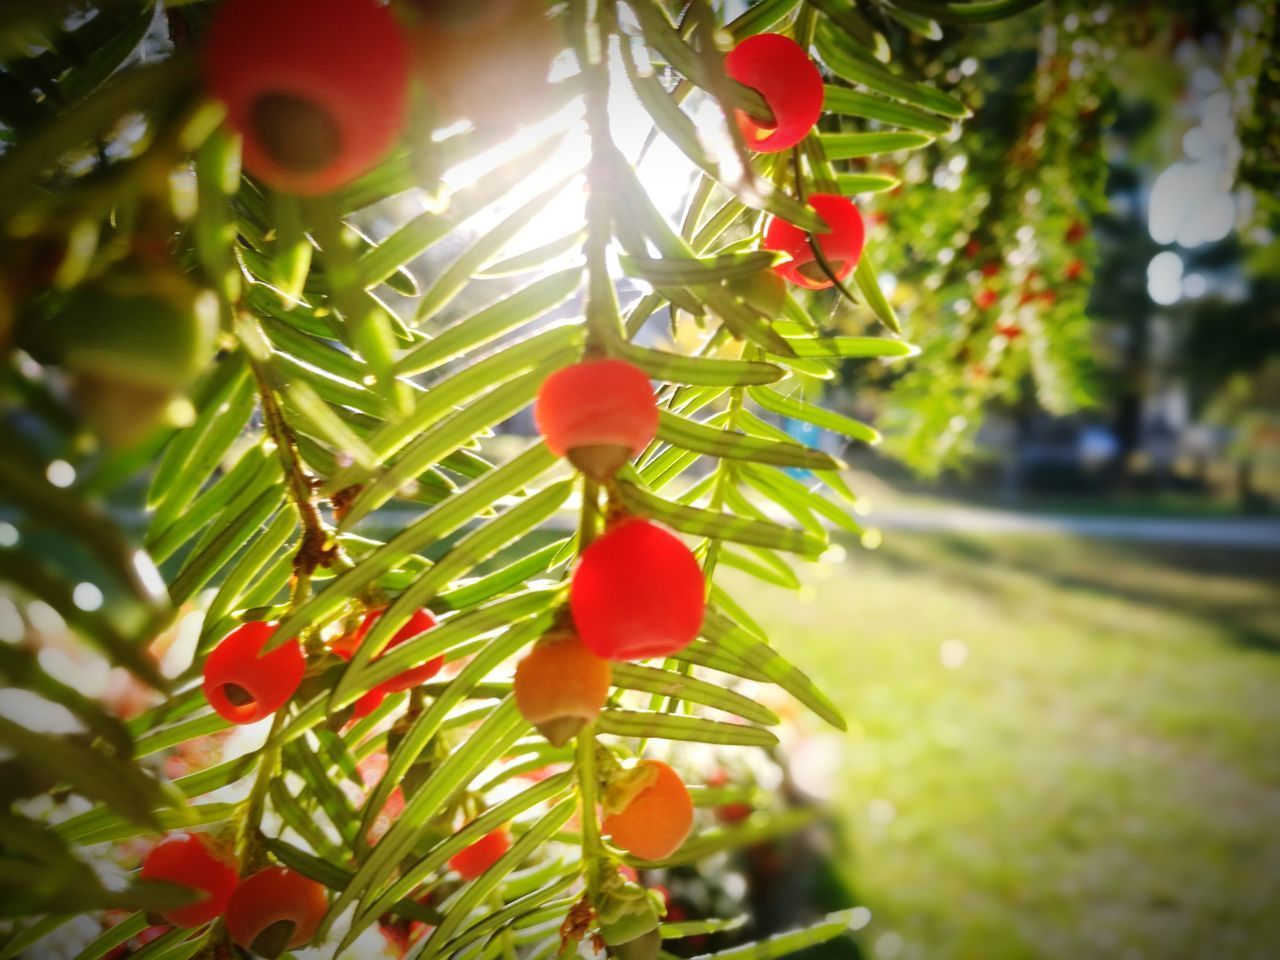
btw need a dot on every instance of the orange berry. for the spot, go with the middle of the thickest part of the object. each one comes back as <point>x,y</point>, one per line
<point>653,821</point>
<point>560,686</point>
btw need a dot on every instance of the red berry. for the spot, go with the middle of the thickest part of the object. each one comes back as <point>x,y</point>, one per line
<point>985,298</point>
<point>637,592</point>
<point>842,245</point>
<point>779,69</point>
<point>485,61</point>
<point>372,769</point>
<point>1076,232</point>
<point>1010,331</point>
<point>346,646</point>
<point>245,686</point>
<point>991,269</point>
<point>275,910</point>
<point>1075,270</point>
<point>598,413</point>
<point>481,855</point>
<point>136,943</point>
<point>318,89</point>
<point>561,686</point>
<point>654,821</point>
<point>733,812</point>
<point>190,859</point>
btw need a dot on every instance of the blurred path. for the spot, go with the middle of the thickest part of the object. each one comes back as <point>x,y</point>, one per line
<point>1246,533</point>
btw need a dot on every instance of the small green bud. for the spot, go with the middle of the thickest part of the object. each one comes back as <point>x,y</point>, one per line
<point>628,916</point>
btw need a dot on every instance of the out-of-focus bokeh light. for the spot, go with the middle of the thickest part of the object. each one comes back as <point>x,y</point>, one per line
<point>1194,285</point>
<point>11,625</point>
<point>1191,204</point>
<point>60,473</point>
<point>816,765</point>
<point>953,653</point>
<point>87,596</point>
<point>37,714</point>
<point>1164,278</point>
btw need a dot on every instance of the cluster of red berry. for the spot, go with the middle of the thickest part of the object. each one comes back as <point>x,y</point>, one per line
<point>637,592</point>
<point>245,685</point>
<point>268,912</point>
<point>781,72</point>
<point>320,89</point>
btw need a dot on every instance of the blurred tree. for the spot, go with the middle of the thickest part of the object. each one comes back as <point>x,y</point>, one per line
<point>1023,278</point>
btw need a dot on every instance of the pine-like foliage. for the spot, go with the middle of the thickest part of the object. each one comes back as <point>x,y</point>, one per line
<point>329,450</point>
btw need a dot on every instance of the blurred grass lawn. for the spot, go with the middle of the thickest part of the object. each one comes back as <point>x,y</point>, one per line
<point>1099,777</point>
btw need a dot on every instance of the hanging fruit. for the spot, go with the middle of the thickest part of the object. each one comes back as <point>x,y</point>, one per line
<point>347,645</point>
<point>841,245</point>
<point>598,413</point>
<point>486,61</point>
<point>779,69</point>
<point>132,342</point>
<point>637,592</point>
<point>191,860</point>
<point>318,89</point>
<point>561,686</point>
<point>275,910</point>
<point>474,860</point>
<point>648,811</point>
<point>244,685</point>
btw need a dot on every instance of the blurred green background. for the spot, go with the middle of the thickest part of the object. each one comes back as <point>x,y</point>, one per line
<point>1061,747</point>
